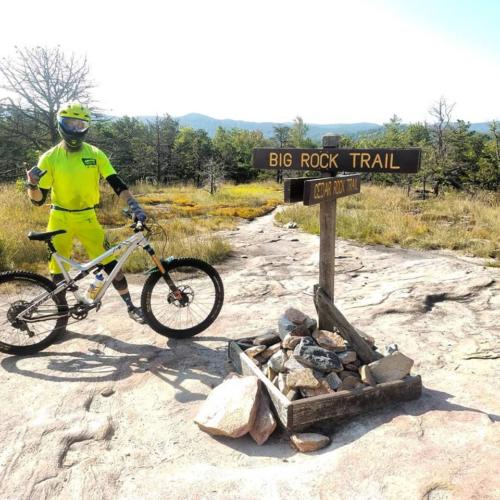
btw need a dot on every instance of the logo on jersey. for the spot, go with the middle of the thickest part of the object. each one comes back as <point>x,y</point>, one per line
<point>89,162</point>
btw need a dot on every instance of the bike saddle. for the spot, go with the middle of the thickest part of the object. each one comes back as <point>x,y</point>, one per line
<point>33,235</point>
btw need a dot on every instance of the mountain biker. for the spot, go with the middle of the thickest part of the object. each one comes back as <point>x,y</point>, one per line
<point>71,171</point>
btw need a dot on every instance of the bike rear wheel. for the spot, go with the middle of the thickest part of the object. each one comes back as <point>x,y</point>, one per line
<point>194,309</point>
<point>18,290</point>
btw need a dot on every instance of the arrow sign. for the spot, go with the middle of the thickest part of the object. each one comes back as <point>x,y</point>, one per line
<point>384,160</point>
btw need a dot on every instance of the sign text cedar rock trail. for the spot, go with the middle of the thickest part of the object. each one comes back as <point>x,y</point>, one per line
<point>313,191</point>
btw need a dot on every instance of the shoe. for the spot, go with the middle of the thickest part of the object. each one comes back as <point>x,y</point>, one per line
<point>137,315</point>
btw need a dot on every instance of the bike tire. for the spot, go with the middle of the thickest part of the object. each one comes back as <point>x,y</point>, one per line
<point>60,302</point>
<point>155,278</point>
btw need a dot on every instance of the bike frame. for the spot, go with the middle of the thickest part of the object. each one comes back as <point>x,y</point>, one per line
<point>131,243</point>
<point>138,239</point>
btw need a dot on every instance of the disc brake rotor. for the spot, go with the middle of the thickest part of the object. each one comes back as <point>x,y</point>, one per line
<point>182,297</point>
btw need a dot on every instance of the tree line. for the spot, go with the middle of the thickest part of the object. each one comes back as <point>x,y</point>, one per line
<point>38,80</point>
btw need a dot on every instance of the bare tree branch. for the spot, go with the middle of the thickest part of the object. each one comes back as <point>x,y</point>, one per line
<point>43,79</point>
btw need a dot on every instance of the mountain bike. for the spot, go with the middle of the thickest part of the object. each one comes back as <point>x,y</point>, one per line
<point>181,297</point>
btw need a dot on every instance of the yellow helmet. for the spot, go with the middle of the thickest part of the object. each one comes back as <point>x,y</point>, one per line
<point>73,121</point>
<point>74,110</point>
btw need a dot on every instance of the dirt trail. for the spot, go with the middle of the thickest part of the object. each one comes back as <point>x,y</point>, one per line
<point>108,412</point>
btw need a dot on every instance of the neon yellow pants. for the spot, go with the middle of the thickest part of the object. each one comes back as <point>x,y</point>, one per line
<point>83,226</point>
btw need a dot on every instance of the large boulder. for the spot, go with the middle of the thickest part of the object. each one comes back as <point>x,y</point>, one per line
<point>230,409</point>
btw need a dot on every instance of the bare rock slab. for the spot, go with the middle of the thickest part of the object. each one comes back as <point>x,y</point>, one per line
<point>393,367</point>
<point>265,423</point>
<point>230,409</point>
<point>306,442</point>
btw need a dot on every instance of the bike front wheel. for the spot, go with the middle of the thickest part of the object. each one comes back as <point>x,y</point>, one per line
<point>192,308</point>
<point>42,324</point>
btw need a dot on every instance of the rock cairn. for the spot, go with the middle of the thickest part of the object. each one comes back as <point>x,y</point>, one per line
<point>302,361</point>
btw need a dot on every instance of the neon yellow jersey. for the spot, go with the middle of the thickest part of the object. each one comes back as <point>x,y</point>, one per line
<point>73,176</point>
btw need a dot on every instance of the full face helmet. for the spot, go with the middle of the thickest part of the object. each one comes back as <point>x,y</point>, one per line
<point>73,121</point>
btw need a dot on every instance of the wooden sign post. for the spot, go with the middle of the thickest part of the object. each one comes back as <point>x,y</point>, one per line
<point>325,190</point>
<point>327,226</point>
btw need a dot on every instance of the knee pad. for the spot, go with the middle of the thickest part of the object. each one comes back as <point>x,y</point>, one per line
<point>120,283</point>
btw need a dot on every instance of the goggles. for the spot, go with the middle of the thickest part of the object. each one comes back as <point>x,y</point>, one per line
<point>72,125</point>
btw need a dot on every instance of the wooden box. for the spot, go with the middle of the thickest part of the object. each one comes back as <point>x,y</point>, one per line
<point>303,413</point>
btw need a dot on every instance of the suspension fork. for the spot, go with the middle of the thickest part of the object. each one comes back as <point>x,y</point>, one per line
<point>168,280</point>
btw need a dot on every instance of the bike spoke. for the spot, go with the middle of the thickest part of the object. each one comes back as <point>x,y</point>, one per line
<point>16,296</point>
<point>196,300</point>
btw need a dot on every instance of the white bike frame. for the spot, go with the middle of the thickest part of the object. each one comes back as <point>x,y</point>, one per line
<point>136,240</point>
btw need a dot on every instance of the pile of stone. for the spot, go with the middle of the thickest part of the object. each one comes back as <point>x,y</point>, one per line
<point>302,361</point>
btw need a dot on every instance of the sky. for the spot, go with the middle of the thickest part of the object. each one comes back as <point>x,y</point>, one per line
<point>328,61</point>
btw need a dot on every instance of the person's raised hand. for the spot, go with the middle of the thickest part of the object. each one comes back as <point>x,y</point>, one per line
<point>35,174</point>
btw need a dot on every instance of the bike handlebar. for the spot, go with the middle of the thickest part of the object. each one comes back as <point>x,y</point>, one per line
<point>137,225</point>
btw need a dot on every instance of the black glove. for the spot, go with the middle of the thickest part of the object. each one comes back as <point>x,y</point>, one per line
<point>137,212</point>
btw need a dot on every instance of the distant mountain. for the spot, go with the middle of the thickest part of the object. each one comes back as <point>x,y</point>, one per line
<point>484,127</point>
<point>196,121</point>
<point>199,121</point>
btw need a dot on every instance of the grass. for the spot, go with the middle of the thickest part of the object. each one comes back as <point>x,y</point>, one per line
<point>189,217</point>
<point>387,216</point>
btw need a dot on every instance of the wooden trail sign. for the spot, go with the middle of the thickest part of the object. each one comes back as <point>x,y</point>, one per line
<point>380,160</point>
<point>313,191</point>
<point>325,190</point>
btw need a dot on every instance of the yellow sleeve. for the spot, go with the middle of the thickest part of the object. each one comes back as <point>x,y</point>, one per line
<point>104,165</point>
<point>47,179</point>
